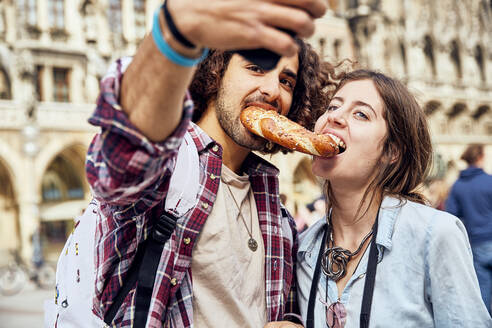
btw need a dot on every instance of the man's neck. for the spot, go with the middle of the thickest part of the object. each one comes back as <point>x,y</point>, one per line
<point>480,162</point>
<point>233,155</point>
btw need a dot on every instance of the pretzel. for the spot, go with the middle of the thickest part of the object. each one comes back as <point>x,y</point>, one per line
<point>269,124</point>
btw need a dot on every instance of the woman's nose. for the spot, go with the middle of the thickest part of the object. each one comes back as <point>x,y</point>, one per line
<point>337,118</point>
<point>329,119</point>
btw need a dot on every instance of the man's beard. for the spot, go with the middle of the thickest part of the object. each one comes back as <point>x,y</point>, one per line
<point>228,118</point>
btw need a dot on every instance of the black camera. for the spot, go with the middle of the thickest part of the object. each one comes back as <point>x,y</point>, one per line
<point>264,58</point>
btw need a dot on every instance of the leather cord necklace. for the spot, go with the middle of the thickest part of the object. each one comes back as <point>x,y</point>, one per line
<point>252,243</point>
<point>335,258</point>
<point>365,311</point>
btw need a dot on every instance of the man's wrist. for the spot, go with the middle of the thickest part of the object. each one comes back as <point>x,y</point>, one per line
<point>174,44</point>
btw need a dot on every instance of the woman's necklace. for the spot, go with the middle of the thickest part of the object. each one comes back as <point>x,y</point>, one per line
<point>252,243</point>
<point>334,259</point>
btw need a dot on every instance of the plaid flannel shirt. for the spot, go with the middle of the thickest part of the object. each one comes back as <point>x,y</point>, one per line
<point>130,175</point>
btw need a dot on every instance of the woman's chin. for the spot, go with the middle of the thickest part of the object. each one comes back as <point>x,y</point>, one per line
<point>321,167</point>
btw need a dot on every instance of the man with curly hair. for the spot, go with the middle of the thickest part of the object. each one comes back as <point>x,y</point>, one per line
<point>230,257</point>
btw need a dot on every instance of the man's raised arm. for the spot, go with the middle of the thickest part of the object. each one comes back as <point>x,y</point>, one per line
<point>153,87</point>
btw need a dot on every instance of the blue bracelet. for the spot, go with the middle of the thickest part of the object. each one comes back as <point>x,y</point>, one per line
<point>169,52</point>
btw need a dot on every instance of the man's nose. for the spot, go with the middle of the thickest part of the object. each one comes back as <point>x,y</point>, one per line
<point>270,88</point>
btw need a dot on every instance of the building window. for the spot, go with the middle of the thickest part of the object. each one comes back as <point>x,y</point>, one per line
<point>403,54</point>
<point>61,84</point>
<point>51,192</point>
<point>139,19</point>
<point>27,11</point>
<point>456,58</point>
<point>322,42</point>
<point>39,82</point>
<point>337,45</point>
<point>4,85</point>
<point>480,62</point>
<point>114,17</point>
<point>429,54</point>
<point>56,14</point>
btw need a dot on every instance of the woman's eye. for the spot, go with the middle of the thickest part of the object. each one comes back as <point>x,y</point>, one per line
<point>255,68</point>
<point>331,108</point>
<point>362,115</point>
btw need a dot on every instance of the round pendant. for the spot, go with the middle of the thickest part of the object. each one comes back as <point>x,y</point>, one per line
<point>252,244</point>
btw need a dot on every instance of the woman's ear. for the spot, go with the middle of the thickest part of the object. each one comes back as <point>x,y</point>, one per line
<point>393,154</point>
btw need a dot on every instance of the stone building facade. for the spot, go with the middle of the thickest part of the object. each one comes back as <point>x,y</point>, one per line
<point>53,52</point>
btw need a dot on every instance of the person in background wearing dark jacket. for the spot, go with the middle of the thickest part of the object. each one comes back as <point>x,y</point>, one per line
<point>470,199</point>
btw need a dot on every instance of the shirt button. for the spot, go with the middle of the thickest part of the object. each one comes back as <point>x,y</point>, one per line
<point>212,176</point>
<point>204,205</point>
<point>215,148</point>
<point>186,240</point>
<point>173,281</point>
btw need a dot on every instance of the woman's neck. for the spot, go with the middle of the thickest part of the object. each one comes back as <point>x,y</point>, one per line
<point>350,224</point>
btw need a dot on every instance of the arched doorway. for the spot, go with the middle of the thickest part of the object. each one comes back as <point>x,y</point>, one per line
<point>9,214</point>
<point>64,194</point>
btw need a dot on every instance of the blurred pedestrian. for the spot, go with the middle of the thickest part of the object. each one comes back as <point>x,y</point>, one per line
<point>470,199</point>
<point>436,193</point>
<point>317,209</point>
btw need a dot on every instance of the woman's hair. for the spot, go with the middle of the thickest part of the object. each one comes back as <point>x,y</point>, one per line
<point>407,148</point>
<point>472,154</point>
<point>310,97</point>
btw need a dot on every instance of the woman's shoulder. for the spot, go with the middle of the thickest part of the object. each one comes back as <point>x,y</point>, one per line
<point>434,221</point>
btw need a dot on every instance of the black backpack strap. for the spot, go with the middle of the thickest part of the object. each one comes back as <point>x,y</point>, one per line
<point>143,271</point>
<point>315,281</point>
<point>365,311</point>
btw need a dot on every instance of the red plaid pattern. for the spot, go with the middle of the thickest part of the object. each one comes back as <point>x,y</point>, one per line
<point>130,177</point>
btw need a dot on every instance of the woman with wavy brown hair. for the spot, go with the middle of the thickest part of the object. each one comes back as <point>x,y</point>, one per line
<point>382,258</point>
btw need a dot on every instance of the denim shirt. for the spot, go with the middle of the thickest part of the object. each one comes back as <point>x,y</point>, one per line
<point>424,278</point>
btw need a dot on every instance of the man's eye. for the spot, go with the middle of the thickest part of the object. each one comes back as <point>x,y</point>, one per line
<point>288,83</point>
<point>255,68</point>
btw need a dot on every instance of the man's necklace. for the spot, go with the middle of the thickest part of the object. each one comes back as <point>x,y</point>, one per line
<point>252,243</point>
<point>334,259</point>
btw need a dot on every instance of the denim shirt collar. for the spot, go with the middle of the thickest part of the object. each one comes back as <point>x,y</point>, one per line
<point>310,241</point>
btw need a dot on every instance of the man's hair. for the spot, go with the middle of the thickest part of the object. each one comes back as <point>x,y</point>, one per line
<point>408,140</point>
<point>309,97</point>
<point>472,154</point>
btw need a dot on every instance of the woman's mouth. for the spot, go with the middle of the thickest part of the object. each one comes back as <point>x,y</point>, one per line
<point>340,143</point>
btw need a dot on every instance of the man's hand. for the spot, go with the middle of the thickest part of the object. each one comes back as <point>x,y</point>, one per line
<point>153,88</point>
<point>240,24</point>
<point>282,324</point>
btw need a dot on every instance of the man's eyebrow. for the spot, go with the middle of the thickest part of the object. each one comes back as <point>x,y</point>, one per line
<point>290,73</point>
